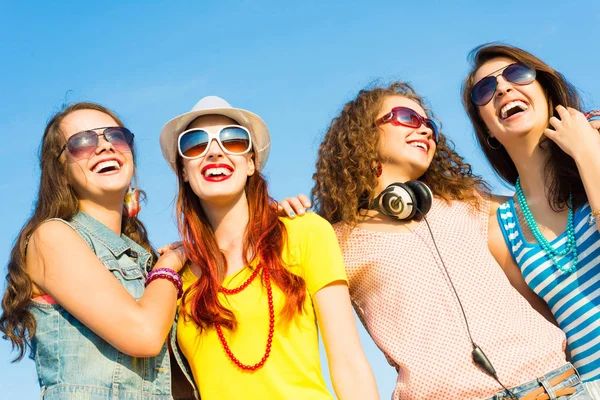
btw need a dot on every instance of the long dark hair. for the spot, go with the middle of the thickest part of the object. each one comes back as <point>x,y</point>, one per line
<point>55,199</point>
<point>560,171</point>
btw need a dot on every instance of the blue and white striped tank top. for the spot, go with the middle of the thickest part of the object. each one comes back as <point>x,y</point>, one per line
<point>573,298</point>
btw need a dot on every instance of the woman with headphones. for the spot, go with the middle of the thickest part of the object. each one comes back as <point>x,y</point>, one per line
<point>427,289</point>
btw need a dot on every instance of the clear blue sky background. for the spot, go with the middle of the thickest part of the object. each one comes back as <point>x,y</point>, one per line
<point>293,63</point>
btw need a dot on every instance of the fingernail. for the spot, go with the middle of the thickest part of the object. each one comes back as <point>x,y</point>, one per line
<point>301,212</point>
<point>292,214</point>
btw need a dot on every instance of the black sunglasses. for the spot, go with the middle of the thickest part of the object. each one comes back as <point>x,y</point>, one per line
<point>83,144</point>
<point>517,73</point>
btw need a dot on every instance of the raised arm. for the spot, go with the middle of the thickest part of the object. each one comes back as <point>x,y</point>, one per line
<point>62,265</point>
<point>580,139</point>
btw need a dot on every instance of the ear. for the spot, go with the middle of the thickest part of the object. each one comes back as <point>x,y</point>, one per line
<point>184,173</point>
<point>251,164</point>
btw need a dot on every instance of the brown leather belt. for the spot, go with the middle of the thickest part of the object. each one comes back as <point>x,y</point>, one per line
<point>541,394</point>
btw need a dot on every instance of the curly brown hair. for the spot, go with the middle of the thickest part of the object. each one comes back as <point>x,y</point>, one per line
<point>562,174</point>
<point>345,181</point>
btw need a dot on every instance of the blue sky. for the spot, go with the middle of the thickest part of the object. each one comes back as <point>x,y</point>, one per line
<point>293,63</point>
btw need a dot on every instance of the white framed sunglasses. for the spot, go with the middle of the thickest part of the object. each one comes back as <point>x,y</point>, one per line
<point>233,139</point>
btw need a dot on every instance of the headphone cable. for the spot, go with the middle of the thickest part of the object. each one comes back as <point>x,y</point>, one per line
<point>478,355</point>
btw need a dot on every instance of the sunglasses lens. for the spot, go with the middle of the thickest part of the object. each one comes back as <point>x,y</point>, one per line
<point>431,125</point>
<point>483,91</point>
<point>235,140</point>
<point>519,74</point>
<point>121,138</point>
<point>82,144</point>
<point>193,144</point>
<point>407,117</point>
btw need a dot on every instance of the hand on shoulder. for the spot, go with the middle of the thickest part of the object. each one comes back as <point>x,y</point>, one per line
<point>292,206</point>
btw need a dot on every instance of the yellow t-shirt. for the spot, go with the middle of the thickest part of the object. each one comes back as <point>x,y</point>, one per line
<point>293,370</point>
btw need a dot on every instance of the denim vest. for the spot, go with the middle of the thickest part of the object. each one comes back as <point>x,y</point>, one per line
<point>183,363</point>
<point>72,361</point>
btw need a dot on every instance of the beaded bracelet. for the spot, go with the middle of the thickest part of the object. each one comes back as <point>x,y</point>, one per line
<point>168,274</point>
<point>167,270</point>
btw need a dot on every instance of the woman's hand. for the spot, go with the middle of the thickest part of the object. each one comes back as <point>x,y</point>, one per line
<point>172,256</point>
<point>573,133</point>
<point>291,206</point>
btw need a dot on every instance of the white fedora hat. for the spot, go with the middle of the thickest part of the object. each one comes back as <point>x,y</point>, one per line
<point>210,105</point>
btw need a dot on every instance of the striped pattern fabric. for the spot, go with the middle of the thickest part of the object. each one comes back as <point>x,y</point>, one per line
<point>573,298</point>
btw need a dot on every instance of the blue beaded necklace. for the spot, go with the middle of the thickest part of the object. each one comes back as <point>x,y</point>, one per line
<point>546,246</point>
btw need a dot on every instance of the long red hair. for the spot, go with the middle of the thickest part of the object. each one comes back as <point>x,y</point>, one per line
<point>265,237</point>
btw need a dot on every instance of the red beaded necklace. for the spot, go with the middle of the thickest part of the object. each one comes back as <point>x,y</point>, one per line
<point>271,321</point>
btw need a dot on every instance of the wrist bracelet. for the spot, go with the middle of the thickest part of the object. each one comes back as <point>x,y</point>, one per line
<point>168,274</point>
<point>165,270</point>
<point>592,114</point>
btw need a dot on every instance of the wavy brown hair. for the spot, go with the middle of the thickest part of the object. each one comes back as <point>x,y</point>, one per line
<point>345,181</point>
<point>561,173</point>
<point>55,199</point>
<point>265,237</point>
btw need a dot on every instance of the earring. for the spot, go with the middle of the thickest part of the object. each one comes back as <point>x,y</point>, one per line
<point>378,170</point>
<point>495,144</point>
<point>131,204</point>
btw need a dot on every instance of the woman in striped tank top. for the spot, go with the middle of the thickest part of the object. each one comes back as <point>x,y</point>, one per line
<point>528,122</point>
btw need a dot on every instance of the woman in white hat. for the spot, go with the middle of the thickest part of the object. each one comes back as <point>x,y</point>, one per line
<point>258,284</point>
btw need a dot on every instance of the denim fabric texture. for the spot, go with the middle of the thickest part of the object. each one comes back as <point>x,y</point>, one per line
<point>573,381</point>
<point>181,360</point>
<point>72,361</point>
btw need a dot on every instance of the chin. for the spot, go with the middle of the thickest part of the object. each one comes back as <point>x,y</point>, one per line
<point>120,185</point>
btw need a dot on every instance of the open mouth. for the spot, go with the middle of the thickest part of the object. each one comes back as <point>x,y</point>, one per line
<point>513,108</point>
<point>107,166</point>
<point>420,145</point>
<point>216,172</point>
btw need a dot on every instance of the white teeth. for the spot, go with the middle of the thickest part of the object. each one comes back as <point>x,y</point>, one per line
<point>106,164</point>
<point>217,171</point>
<point>421,145</point>
<point>517,103</point>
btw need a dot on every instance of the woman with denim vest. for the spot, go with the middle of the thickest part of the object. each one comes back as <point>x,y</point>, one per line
<point>258,287</point>
<point>76,292</point>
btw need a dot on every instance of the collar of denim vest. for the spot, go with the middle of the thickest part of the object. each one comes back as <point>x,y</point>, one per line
<point>116,244</point>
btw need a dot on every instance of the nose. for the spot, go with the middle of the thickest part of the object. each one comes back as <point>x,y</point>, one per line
<point>502,86</point>
<point>214,150</point>
<point>104,145</point>
<point>425,130</point>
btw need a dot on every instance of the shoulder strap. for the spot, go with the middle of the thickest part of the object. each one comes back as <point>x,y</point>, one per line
<point>507,219</point>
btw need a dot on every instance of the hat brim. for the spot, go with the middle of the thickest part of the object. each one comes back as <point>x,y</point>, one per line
<point>261,140</point>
